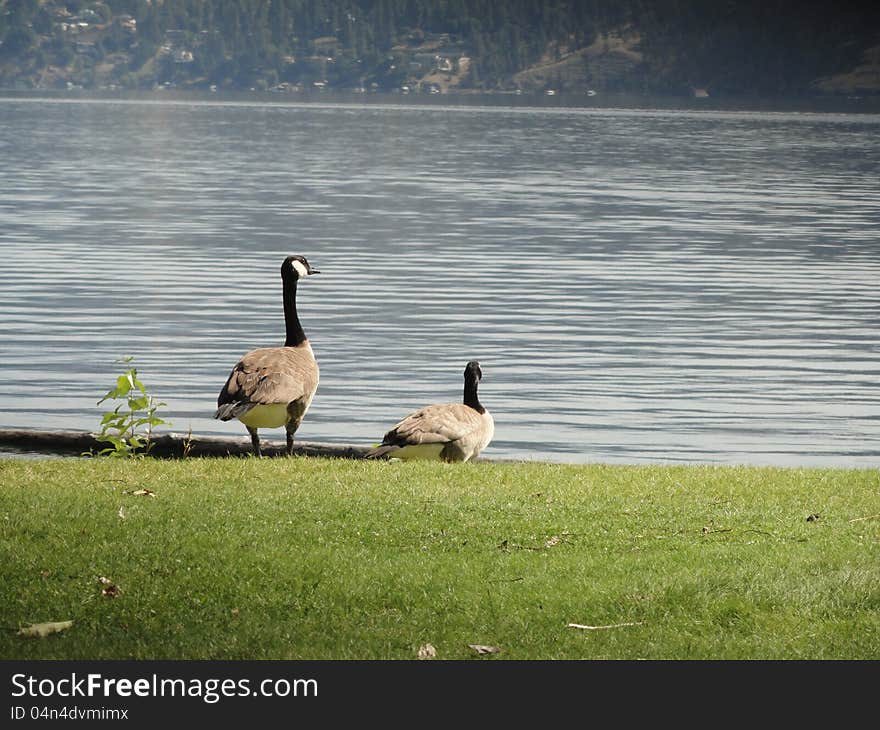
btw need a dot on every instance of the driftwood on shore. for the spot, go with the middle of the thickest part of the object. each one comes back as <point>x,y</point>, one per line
<point>171,445</point>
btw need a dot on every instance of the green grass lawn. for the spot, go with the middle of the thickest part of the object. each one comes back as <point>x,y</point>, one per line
<point>330,559</point>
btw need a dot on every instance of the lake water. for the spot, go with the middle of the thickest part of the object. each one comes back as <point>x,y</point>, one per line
<point>639,285</point>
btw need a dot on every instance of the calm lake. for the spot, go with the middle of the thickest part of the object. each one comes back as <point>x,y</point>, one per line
<point>639,285</point>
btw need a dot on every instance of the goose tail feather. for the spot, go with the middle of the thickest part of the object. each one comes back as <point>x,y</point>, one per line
<point>228,411</point>
<point>380,451</point>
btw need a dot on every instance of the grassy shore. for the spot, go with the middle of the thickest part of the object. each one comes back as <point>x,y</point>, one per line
<point>330,559</point>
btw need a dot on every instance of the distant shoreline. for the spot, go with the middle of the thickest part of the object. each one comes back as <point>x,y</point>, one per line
<point>821,104</point>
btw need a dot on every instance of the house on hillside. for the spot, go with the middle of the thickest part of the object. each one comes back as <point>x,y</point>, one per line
<point>127,23</point>
<point>443,64</point>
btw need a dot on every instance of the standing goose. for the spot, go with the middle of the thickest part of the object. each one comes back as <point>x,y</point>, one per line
<point>448,432</point>
<point>274,386</point>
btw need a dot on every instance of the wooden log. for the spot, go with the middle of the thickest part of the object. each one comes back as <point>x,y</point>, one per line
<point>167,445</point>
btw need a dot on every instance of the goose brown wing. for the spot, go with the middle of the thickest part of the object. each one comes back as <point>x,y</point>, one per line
<point>272,375</point>
<point>434,425</point>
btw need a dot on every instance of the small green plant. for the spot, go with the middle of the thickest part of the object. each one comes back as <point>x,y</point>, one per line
<point>128,428</point>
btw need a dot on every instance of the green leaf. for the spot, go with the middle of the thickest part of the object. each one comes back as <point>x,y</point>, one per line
<point>138,404</point>
<point>123,385</point>
<point>115,453</point>
<point>114,429</point>
<point>111,394</point>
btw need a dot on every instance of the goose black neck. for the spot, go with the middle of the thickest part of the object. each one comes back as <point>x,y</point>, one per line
<point>295,334</point>
<point>470,395</point>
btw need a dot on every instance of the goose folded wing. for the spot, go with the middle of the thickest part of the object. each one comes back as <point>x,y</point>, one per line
<point>268,388</point>
<point>435,425</point>
<point>265,377</point>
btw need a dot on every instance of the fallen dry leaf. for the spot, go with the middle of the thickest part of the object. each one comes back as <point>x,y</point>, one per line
<point>600,628</point>
<point>109,590</point>
<point>141,492</point>
<point>711,529</point>
<point>483,649</point>
<point>42,630</point>
<point>427,651</point>
<point>552,541</point>
<point>121,513</point>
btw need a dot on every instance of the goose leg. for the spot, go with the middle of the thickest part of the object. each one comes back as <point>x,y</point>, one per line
<point>290,442</point>
<point>255,440</point>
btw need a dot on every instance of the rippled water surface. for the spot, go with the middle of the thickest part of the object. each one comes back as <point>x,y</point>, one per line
<point>639,286</point>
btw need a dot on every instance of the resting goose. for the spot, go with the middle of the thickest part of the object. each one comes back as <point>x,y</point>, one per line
<point>274,386</point>
<point>448,432</point>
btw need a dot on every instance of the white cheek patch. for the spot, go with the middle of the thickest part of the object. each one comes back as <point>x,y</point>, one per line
<point>300,268</point>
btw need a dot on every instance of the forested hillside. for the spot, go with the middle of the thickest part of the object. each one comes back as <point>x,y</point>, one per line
<point>767,47</point>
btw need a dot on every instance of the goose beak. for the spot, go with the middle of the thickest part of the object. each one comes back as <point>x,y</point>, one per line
<point>313,271</point>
